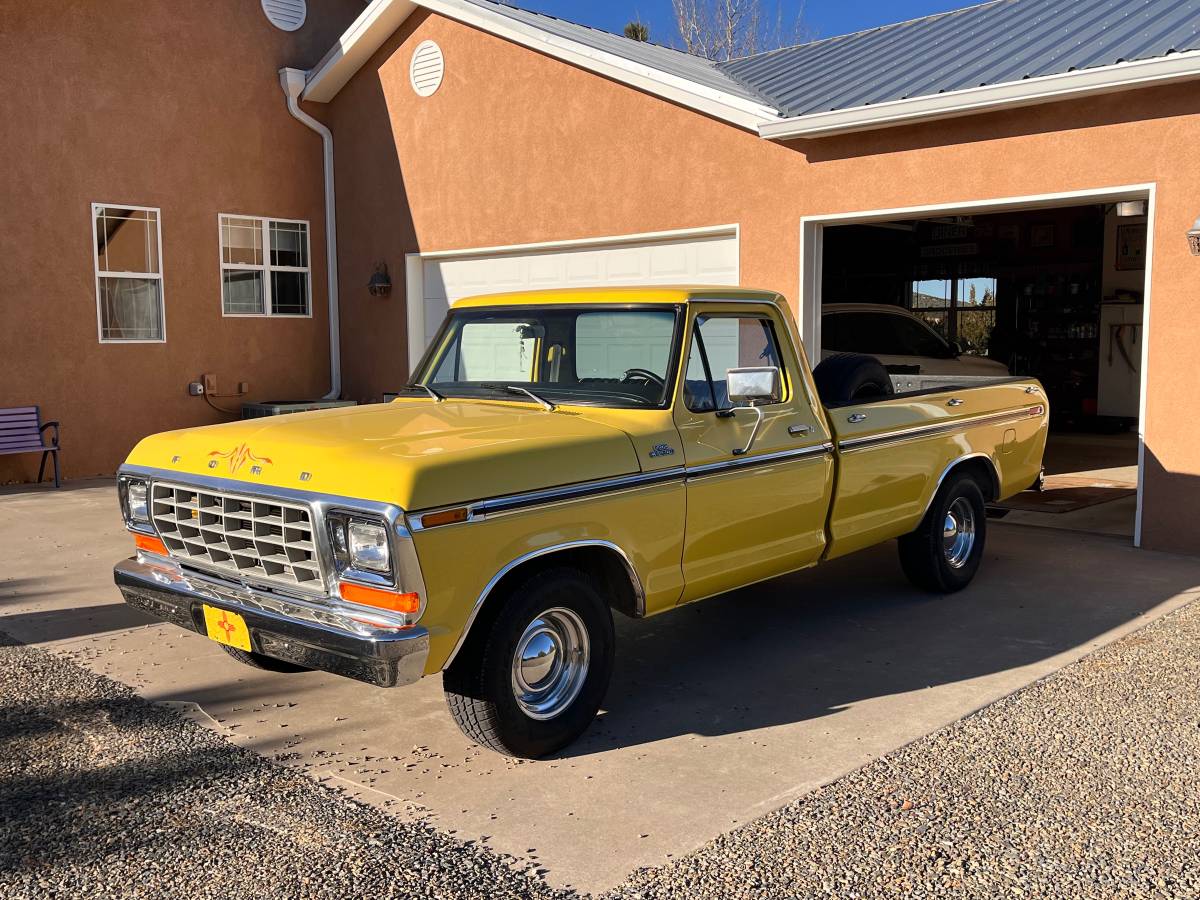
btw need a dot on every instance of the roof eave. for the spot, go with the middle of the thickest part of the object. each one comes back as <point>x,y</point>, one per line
<point>381,18</point>
<point>991,98</point>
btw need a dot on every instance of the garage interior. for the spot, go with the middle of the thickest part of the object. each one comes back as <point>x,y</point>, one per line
<point>1055,293</point>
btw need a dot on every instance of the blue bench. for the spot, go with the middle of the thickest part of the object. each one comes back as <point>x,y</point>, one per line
<point>22,431</point>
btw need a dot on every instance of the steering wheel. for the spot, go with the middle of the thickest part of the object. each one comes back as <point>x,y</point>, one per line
<point>644,375</point>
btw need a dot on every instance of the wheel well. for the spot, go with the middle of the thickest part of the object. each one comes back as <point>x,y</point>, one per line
<point>605,565</point>
<point>983,471</point>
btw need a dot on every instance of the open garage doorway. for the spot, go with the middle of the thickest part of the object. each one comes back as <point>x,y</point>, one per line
<point>1051,287</point>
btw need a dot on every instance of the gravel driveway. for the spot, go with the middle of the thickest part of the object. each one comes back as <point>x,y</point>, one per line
<point>1086,784</point>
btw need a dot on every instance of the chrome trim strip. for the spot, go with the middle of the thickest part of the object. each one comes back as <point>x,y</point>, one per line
<point>639,593</point>
<point>995,470</point>
<point>765,459</point>
<point>408,566</point>
<point>921,431</point>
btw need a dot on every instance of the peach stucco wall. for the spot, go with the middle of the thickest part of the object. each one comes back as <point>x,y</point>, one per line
<point>517,147</point>
<point>168,104</point>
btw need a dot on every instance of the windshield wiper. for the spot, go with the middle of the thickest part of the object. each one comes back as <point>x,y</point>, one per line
<point>437,398</point>
<point>513,389</point>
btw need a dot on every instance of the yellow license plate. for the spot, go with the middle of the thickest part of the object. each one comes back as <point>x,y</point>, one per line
<point>227,627</point>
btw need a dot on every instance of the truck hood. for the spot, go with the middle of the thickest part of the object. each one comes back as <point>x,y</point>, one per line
<point>413,453</point>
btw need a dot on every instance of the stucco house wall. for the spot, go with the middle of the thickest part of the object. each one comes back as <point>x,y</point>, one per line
<point>170,105</point>
<point>518,147</point>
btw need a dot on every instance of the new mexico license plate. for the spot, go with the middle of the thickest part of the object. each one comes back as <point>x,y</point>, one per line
<point>226,627</point>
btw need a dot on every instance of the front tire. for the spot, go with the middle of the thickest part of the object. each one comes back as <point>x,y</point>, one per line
<point>534,682</point>
<point>945,551</point>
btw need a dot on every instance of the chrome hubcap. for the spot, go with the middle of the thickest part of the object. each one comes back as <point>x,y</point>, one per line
<point>550,663</point>
<point>958,533</point>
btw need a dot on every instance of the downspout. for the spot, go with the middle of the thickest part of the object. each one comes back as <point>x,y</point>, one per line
<point>292,81</point>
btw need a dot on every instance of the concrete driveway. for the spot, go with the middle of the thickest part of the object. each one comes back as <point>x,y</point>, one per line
<point>718,713</point>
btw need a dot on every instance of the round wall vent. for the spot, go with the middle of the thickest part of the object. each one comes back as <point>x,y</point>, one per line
<point>287,15</point>
<point>427,68</point>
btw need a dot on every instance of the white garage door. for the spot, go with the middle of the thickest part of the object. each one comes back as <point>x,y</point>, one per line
<point>704,256</point>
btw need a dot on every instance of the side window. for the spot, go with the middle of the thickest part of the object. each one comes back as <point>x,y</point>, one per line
<point>916,339</point>
<point>264,267</point>
<point>723,343</point>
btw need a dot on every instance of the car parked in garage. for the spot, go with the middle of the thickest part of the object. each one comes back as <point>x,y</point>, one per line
<point>898,339</point>
<point>560,455</point>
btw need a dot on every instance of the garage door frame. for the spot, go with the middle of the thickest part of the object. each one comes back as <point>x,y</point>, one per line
<point>414,276</point>
<point>812,256</point>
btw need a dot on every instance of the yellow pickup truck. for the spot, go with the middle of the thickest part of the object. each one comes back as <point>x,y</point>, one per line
<point>560,455</point>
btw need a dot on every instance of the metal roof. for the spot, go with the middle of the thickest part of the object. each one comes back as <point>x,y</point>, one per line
<point>655,56</point>
<point>994,43</point>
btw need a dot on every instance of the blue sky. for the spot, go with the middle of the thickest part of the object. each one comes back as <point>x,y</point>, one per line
<point>825,18</point>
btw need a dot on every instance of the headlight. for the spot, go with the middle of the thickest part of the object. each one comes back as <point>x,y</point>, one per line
<point>360,544</point>
<point>134,506</point>
<point>369,547</point>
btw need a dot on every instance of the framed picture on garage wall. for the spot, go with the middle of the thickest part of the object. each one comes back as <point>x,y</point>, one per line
<point>1131,247</point>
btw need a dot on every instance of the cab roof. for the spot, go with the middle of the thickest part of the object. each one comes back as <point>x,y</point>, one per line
<point>619,295</point>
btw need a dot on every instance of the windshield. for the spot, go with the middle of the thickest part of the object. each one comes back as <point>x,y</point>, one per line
<point>596,356</point>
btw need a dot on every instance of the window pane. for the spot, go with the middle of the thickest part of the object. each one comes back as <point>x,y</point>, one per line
<point>497,351</point>
<point>289,244</point>
<point>975,330</point>
<point>607,345</point>
<point>127,240</point>
<point>289,293</point>
<point>241,241</point>
<point>242,292</point>
<point>734,343</point>
<point>931,294</point>
<point>130,309</point>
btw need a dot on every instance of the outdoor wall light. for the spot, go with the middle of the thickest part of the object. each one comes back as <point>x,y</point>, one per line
<point>380,284</point>
<point>1194,238</point>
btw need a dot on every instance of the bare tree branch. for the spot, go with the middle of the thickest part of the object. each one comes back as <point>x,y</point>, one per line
<point>726,29</point>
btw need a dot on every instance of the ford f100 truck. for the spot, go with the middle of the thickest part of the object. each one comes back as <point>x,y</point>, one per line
<point>557,456</point>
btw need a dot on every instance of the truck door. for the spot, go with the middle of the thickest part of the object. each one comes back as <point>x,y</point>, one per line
<point>754,509</point>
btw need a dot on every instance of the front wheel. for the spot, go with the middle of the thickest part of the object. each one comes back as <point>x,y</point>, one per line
<point>944,553</point>
<point>534,682</point>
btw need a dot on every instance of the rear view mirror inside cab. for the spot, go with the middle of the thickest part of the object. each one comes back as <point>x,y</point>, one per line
<point>750,386</point>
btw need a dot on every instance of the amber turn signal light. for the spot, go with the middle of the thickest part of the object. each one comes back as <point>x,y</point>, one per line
<point>149,544</point>
<point>380,598</point>
<point>445,517</point>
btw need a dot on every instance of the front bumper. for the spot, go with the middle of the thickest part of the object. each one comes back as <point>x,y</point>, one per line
<point>291,630</point>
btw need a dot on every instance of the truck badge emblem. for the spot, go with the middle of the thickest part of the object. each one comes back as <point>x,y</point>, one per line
<point>238,457</point>
<point>662,450</point>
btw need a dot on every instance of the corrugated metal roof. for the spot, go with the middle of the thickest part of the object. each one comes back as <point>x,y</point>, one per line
<point>656,56</point>
<point>994,43</point>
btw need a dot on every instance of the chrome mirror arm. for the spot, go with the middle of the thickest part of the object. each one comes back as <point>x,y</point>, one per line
<point>753,432</point>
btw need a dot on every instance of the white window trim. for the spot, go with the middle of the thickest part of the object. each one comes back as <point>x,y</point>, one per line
<point>266,268</point>
<point>103,273</point>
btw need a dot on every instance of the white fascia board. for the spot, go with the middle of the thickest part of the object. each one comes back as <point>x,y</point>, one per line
<point>382,17</point>
<point>972,101</point>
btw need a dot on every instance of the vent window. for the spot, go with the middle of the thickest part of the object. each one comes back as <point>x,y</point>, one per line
<point>286,15</point>
<point>427,69</point>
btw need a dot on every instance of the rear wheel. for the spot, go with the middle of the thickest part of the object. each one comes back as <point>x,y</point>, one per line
<point>533,683</point>
<point>944,553</point>
<point>259,661</point>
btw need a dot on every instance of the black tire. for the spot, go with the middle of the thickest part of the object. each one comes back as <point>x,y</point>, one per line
<point>852,378</point>
<point>924,554</point>
<point>259,661</point>
<point>479,686</point>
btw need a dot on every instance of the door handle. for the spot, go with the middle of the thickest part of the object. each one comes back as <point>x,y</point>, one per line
<point>954,401</point>
<point>856,417</point>
<point>799,429</point>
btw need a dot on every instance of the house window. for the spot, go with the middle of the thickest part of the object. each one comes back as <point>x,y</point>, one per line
<point>264,267</point>
<point>959,309</point>
<point>127,241</point>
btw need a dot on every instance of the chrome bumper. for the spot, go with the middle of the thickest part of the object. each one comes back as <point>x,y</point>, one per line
<point>292,630</point>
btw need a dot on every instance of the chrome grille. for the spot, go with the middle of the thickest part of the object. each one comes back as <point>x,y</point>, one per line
<point>253,537</point>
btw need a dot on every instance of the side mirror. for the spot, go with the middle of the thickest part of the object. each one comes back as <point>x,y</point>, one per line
<point>754,385</point>
<point>956,350</point>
